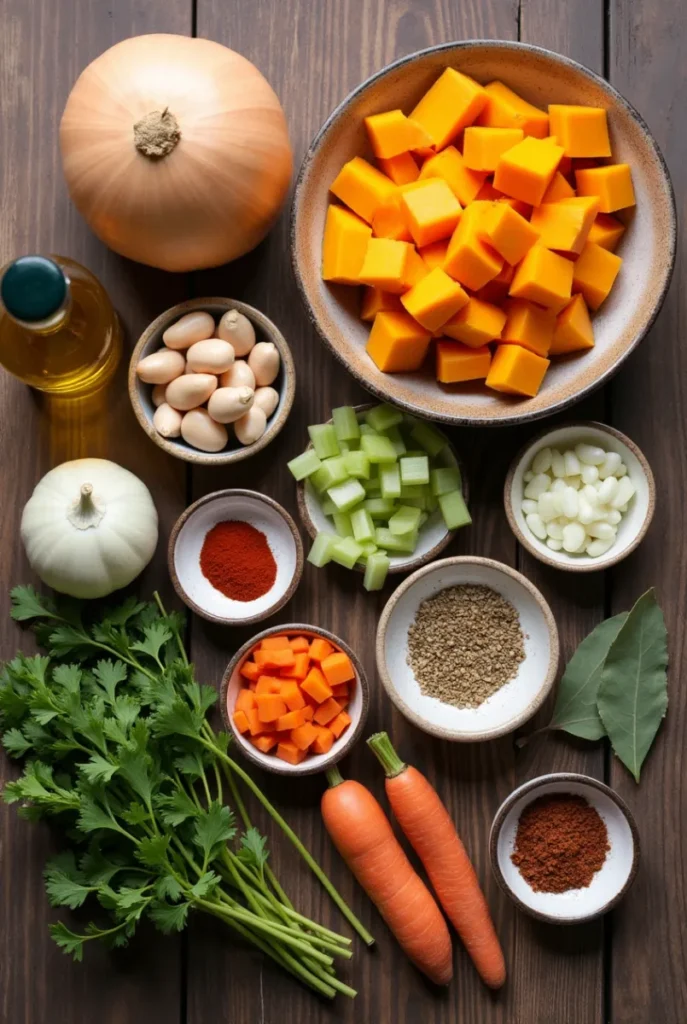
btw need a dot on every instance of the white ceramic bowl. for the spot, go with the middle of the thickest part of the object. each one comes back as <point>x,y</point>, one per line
<point>510,706</point>
<point>608,885</point>
<point>357,709</point>
<point>635,521</point>
<point>186,541</point>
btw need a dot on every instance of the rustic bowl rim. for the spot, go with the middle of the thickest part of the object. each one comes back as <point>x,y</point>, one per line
<point>609,559</point>
<point>413,562</point>
<point>287,390</point>
<point>235,492</point>
<point>484,44</point>
<point>532,786</point>
<point>485,734</point>
<point>335,754</point>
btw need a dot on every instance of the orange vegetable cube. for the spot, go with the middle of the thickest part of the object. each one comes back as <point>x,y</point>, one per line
<point>402,169</point>
<point>323,742</point>
<point>289,752</point>
<point>594,272</point>
<point>308,712</point>
<point>507,232</point>
<point>268,684</point>
<point>560,188</point>
<point>505,109</point>
<point>450,166</point>
<point>431,210</point>
<point>343,246</point>
<point>361,187</point>
<point>581,131</point>
<point>482,147</point>
<point>241,721</point>
<point>327,710</point>
<point>282,658</point>
<point>574,331</point>
<point>338,668</point>
<point>476,324</point>
<point>606,231</point>
<point>270,707</point>
<point>299,644</point>
<point>489,194</point>
<point>526,170</point>
<point>316,686</point>
<point>450,104</point>
<point>389,221</point>
<point>340,723</point>
<point>496,290</point>
<point>530,326</point>
<point>377,301</point>
<point>304,735</point>
<point>245,700</point>
<point>251,686</point>
<point>397,342</point>
<point>291,694</point>
<point>434,254</point>
<point>391,265</point>
<point>265,742</point>
<point>543,277</point>
<point>457,363</point>
<point>611,183</point>
<point>320,649</point>
<point>434,299</point>
<point>516,371</point>
<point>468,259</point>
<point>280,642</point>
<point>342,689</point>
<point>254,723</point>
<point>291,720</point>
<point>565,224</point>
<point>299,669</point>
<point>249,670</point>
<point>392,133</point>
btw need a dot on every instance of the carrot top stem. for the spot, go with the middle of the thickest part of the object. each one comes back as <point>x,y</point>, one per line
<point>334,776</point>
<point>380,745</point>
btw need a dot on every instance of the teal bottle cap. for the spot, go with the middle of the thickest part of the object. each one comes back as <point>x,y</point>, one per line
<point>33,288</point>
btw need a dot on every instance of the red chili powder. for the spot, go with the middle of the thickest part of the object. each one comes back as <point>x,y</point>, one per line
<point>237,560</point>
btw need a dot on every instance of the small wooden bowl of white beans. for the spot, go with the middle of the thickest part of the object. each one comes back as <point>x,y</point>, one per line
<point>212,381</point>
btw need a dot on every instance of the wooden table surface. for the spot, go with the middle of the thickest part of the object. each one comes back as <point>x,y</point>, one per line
<point>629,968</point>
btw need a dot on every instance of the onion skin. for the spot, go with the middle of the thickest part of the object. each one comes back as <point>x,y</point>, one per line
<point>216,193</point>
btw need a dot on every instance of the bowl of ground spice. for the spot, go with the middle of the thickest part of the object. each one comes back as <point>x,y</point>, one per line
<point>564,847</point>
<point>235,557</point>
<point>467,648</point>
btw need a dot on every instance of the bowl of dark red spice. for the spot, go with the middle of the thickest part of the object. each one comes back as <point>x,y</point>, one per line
<point>235,557</point>
<point>564,847</point>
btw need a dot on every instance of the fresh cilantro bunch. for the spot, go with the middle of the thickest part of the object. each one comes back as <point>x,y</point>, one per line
<point>118,751</point>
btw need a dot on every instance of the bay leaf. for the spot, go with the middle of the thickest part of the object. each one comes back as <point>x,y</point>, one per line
<point>632,697</point>
<point>576,711</point>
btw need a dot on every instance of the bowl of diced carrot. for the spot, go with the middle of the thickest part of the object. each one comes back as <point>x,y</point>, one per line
<point>483,231</point>
<point>295,698</point>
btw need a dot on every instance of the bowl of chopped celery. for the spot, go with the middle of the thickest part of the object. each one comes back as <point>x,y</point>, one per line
<point>379,491</point>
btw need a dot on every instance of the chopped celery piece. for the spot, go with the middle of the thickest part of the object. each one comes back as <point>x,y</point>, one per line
<point>362,525</point>
<point>390,479</point>
<point>368,547</point>
<point>344,447</point>
<point>353,444</point>
<point>431,503</point>
<point>347,494</point>
<point>357,465</point>
<point>429,438</point>
<point>454,510</point>
<point>332,471</point>
<point>405,520</point>
<point>423,519</point>
<point>380,508</point>
<point>420,502</point>
<point>304,465</point>
<point>328,506</point>
<point>403,545</point>
<point>412,491</point>
<point>443,480</point>
<point>365,428</point>
<point>323,437</point>
<point>396,438</point>
<point>376,571</point>
<point>342,522</point>
<point>346,424</point>
<point>414,470</point>
<point>373,488</point>
<point>381,417</point>
<point>346,552</point>
<point>378,448</point>
<point>321,550</point>
<point>415,453</point>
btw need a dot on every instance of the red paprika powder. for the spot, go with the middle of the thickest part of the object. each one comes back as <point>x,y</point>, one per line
<point>237,560</point>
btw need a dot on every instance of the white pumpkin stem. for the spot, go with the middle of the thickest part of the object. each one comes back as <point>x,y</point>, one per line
<point>157,134</point>
<point>85,514</point>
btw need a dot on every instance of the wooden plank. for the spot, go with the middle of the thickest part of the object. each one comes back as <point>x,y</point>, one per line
<point>43,47</point>
<point>648,402</point>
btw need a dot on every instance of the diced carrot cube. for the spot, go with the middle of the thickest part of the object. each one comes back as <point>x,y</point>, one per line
<point>270,707</point>
<point>304,735</point>
<point>282,658</point>
<point>300,667</point>
<point>299,644</point>
<point>328,710</point>
<point>252,685</point>
<point>266,742</point>
<point>275,643</point>
<point>241,721</point>
<point>320,649</point>
<point>309,711</point>
<point>323,741</point>
<point>288,751</point>
<point>291,720</point>
<point>291,694</point>
<point>249,670</point>
<point>344,702</point>
<point>268,684</point>
<point>316,686</point>
<point>245,700</point>
<point>342,689</point>
<point>340,723</point>
<point>254,723</point>
<point>338,668</point>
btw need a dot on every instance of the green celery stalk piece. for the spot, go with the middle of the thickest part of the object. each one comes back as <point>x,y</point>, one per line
<point>396,438</point>
<point>411,491</point>
<point>342,523</point>
<point>347,494</point>
<point>454,510</point>
<point>390,479</point>
<point>346,424</point>
<point>405,520</point>
<point>323,437</point>
<point>443,480</point>
<point>344,446</point>
<point>419,503</point>
<point>431,503</point>
<point>368,548</point>
<point>403,545</point>
<point>423,519</point>
<point>378,448</point>
<point>321,551</point>
<point>304,465</point>
<point>428,437</point>
<point>381,417</point>
<point>362,526</point>
<point>332,471</point>
<point>358,465</point>
<point>328,506</point>
<point>373,488</point>
<point>346,551</point>
<point>414,470</point>
<point>365,428</point>
<point>380,508</point>
<point>376,571</point>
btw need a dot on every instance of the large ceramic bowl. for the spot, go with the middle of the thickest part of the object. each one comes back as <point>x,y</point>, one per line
<point>647,247</point>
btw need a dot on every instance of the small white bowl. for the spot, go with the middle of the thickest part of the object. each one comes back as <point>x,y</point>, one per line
<point>186,541</point>
<point>510,706</point>
<point>608,885</point>
<point>635,521</point>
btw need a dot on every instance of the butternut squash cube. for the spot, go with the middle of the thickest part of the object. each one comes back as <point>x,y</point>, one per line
<point>392,133</point>
<point>560,188</point>
<point>496,290</point>
<point>530,326</point>
<point>594,273</point>
<point>581,131</point>
<point>482,147</point>
<point>468,259</point>
<point>449,165</point>
<point>377,301</point>
<point>574,331</point>
<point>392,266</point>
<point>489,194</point>
<point>565,224</point>
<point>402,169</point>
<point>361,187</point>
<point>434,299</point>
<point>543,277</point>
<point>397,343</point>
<point>453,102</point>
<point>525,171</point>
<point>505,109</point>
<point>606,231</point>
<point>434,254</point>
<point>389,220</point>
<point>457,363</point>
<point>516,371</point>
<point>507,232</point>
<point>344,245</point>
<point>476,324</point>
<point>612,184</point>
<point>431,211</point>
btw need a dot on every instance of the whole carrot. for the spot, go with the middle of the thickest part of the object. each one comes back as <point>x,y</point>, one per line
<point>432,834</point>
<point>363,836</point>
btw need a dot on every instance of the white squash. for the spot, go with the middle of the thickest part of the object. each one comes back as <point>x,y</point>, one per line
<point>90,527</point>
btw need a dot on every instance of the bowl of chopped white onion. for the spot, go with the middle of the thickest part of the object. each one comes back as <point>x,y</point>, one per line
<point>580,497</point>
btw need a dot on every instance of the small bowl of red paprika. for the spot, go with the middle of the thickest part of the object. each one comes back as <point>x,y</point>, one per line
<point>235,557</point>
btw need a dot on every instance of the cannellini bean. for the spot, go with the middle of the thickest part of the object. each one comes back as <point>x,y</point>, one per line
<point>264,361</point>
<point>529,505</point>
<point>591,494</point>
<point>251,427</point>
<point>542,461</point>
<point>558,485</point>
<point>529,475</point>
<point>604,531</point>
<point>589,474</point>
<point>536,525</point>
<point>621,471</point>
<point>557,463</point>
<point>200,431</point>
<point>237,329</point>
<point>610,465</point>
<point>614,517</point>
<point>572,464</point>
<point>555,545</point>
<point>239,375</point>
<point>625,491</point>
<point>191,390</point>
<point>554,530</point>
<point>537,485</point>
<point>607,490</point>
<point>585,511</point>
<point>158,394</point>
<point>167,421</point>
<point>188,329</point>
<point>229,404</point>
<point>211,356</point>
<point>573,481</point>
<point>547,506</point>
<point>590,454</point>
<point>160,367</point>
<point>569,503</point>
<point>598,547</point>
<point>574,536</point>
<point>267,399</point>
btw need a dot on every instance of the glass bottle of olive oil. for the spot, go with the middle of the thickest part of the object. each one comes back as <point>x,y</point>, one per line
<point>58,329</point>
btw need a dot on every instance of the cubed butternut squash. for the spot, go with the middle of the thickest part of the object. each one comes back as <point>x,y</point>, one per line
<point>401,169</point>
<point>434,254</point>
<point>392,133</point>
<point>391,265</point>
<point>316,686</point>
<point>291,694</point>
<point>560,188</point>
<point>468,258</point>
<point>611,183</point>
<point>361,187</point>
<point>565,224</point>
<point>434,299</point>
<point>505,109</point>
<point>453,102</point>
<point>328,710</point>
<point>525,171</point>
<point>338,668</point>
<point>516,371</point>
<point>389,220</point>
<point>320,648</point>
<point>279,642</point>
<point>457,362</point>
<point>594,273</point>
<point>450,166</point>
<point>581,131</point>
<point>507,232</point>
<point>496,290</point>
<point>476,324</point>
<point>482,147</point>
<point>529,325</point>
<point>489,194</point>
<point>606,231</point>
<point>397,343</point>
<point>375,300</point>
<point>574,331</point>
<point>431,210</point>
<point>543,277</point>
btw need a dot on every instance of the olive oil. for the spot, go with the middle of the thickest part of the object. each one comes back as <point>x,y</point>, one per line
<point>58,329</point>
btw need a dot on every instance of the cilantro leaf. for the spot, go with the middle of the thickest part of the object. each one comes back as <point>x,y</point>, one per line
<point>98,769</point>
<point>134,767</point>
<point>93,817</point>
<point>177,720</point>
<point>27,604</point>
<point>15,742</point>
<point>176,808</point>
<point>168,888</point>
<point>213,828</point>
<point>206,884</point>
<point>169,918</point>
<point>109,675</point>
<point>153,851</point>
<point>155,637</point>
<point>67,940</point>
<point>126,611</point>
<point>65,884</point>
<point>253,850</point>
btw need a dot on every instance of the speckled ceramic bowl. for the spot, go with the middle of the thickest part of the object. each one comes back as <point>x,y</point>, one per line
<point>647,247</point>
